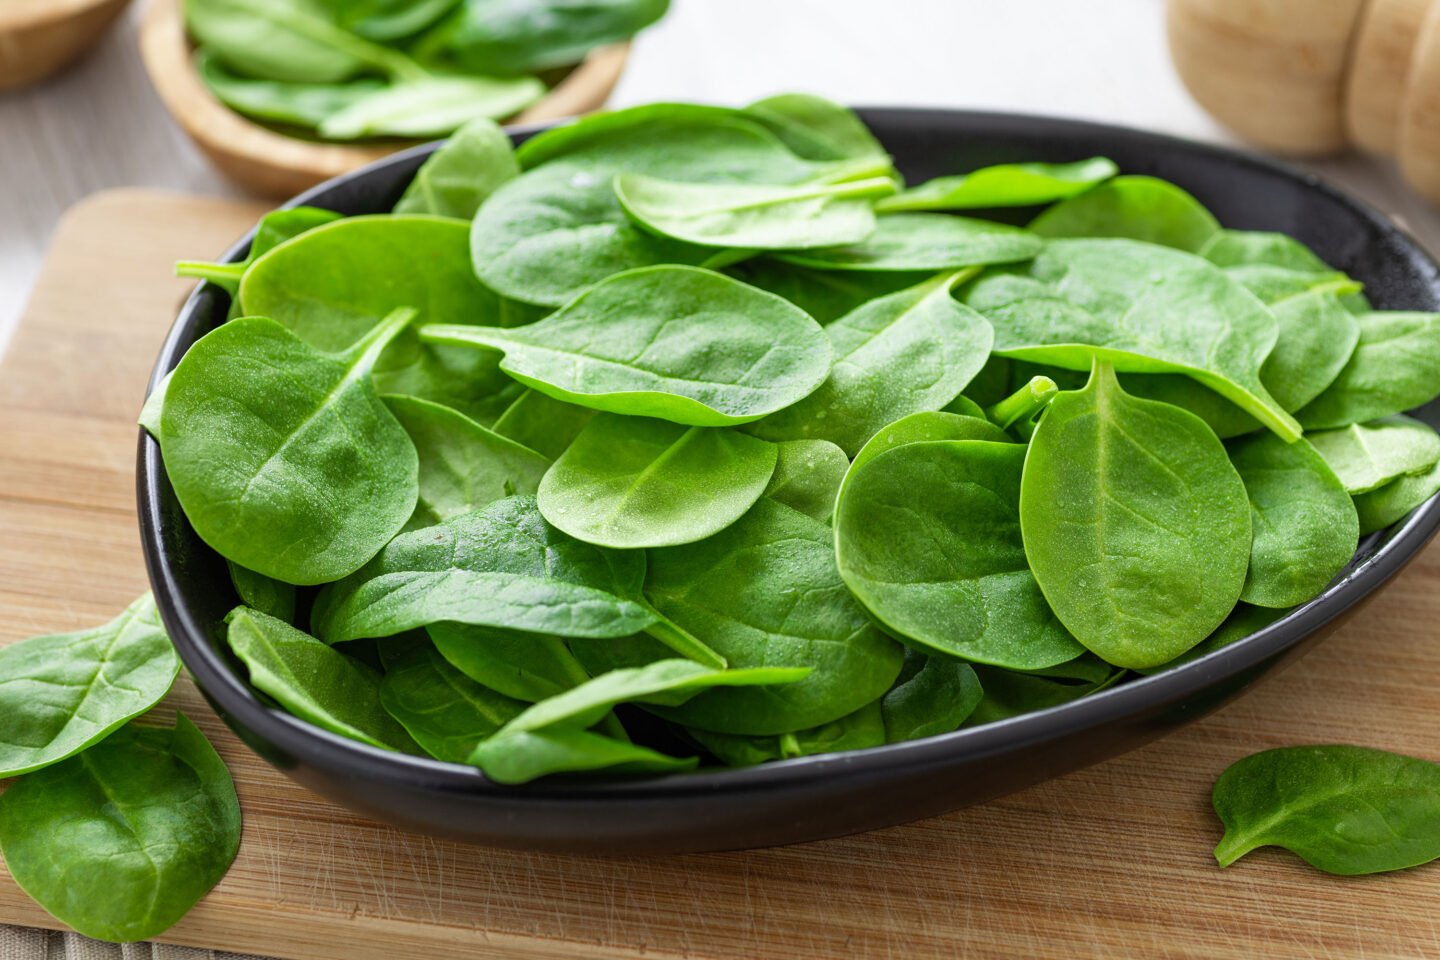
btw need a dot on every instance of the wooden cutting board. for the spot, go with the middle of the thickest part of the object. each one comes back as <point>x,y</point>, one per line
<point>1113,861</point>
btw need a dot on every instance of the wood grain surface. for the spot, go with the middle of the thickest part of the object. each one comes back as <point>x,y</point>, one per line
<point>1113,861</point>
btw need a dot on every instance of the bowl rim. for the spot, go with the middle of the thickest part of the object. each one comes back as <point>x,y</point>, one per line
<point>309,744</point>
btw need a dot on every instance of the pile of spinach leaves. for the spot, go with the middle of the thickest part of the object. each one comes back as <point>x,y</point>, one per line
<point>354,69</point>
<point>686,434</point>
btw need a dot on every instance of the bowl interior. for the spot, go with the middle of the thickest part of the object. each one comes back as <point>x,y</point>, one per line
<point>194,590</point>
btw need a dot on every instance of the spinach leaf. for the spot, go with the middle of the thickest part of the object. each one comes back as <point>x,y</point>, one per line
<point>1305,526</point>
<point>501,566</point>
<point>1367,456</point>
<point>289,40</point>
<point>932,695</point>
<point>1136,208</point>
<point>446,712</point>
<point>824,294</point>
<point>1011,694</point>
<point>524,755</point>
<point>855,731</point>
<point>523,666</point>
<point>258,432</point>
<point>559,228</point>
<point>816,128</point>
<point>431,106</point>
<point>1004,185</point>
<point>686,345</point>
<point>526,36</point>
<point>807,477</point>
<point>331,285</point>
<point>543,423</point>
<point>462,465</point>
<point>266,594</point>
<point>1342,809</point>
<point>930,425</point>
<point>1274,284</point>
<point>62,693</point>
<point>1395,367</point>
<point>281,101</point>
<point>765,217</point>
<point>924,241</point>
<point>384,20</point>
<point>633,482</point>
<point>313,681</point>
<point>1244,621</point>
<point>274,228</point>
<point>1233,248</point>
<point>764,592</point>
<point>1136,524</point>
<point>1141,307</point>
<point>459,176</point>
<point>1381,507</point>
<point>121,842</point>
<point>900,354</point>
<point>927,537</point>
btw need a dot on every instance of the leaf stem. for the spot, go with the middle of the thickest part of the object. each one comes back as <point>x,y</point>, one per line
<point>1232,847</point>
<point>226,275</point>
<point>1024,403</point>
<point>682,642</point>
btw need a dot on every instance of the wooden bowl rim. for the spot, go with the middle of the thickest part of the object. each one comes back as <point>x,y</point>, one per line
<point>167,53</point>
<point>16,15</point>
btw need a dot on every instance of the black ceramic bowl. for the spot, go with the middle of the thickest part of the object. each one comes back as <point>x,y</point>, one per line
<point>823,796</point>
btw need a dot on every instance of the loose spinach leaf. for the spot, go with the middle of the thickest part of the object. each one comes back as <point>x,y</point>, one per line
<point>1395,367</point>
<point>1136,208</point>
<point>525,36</point>
<point>807,477</point>
<point>385,20</point>
<point>459,176</point>
<point>258,432</point>
<point>1004,185</point>
<point>764,217</point>
<point>686,345</point>
<point>501,566</point>
<point>1141,307</point>
<point>1136,524</point>
<point>280,101</point>
<point>927,537</point>
<point>930,425</point>
<point>274,228</point>
<point>1381,507</point>
<point>855,731</point>
<point>463,466</point>
<point>900,354</point>
<point>932,695</point>
<point>1342,809</point>
<point>1305,525</point>
<point>815,128</point>
<point>331,285</point>
<point>62,693</point>
<point>524,666</point>
<point>634,482</point>
<point>314,682</point>
<point>446,712</point>
<point>559,228</point>
<point>764,591</point>
<point>524,755</point>
<point>289,40</point>
<point>1274,284</point>
<point>1367,456</point>
<point>120,842</point>
<point>431,106</point>
<point>924,241</point>
<point>543,423</point>
<point>266,594</point>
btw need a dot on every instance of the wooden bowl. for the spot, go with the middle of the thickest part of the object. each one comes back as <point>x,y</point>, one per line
<point>40,37</point>
<point>273,165</point>
<point>1273,71</point>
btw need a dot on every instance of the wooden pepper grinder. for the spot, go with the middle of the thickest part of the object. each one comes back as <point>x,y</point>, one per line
<point>1311,77</point>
